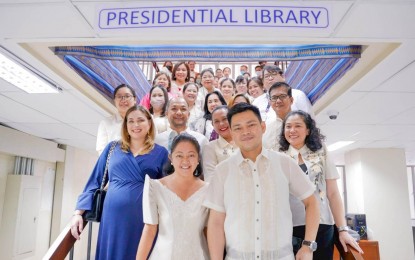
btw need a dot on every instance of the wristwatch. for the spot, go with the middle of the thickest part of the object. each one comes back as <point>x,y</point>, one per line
<point>310,244</point>
<point>343,228</point>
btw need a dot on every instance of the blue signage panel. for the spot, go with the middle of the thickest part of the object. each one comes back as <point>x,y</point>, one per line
<point>215,15</point>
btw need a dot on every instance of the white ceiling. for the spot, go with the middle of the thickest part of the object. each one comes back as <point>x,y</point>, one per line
<point>375,100</point>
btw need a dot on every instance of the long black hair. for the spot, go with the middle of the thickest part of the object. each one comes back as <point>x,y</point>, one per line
<point>314,140</point>
<point>208,115</point>
<point>184,137</point>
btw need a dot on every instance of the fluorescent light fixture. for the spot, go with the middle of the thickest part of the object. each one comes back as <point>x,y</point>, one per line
<point>23,77</point>
<point>338,145</point>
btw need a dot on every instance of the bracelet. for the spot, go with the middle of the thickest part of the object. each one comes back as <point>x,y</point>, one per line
<point>343,228</point>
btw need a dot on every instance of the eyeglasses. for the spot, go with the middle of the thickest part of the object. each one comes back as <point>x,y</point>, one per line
<point>280,97</point>
<point>271,75</point>
<point>125,97</point>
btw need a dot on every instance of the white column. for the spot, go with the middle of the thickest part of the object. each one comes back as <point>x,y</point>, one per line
<point>377,186</point>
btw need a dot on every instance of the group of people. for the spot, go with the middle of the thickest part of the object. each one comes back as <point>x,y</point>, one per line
<point>199,172</point>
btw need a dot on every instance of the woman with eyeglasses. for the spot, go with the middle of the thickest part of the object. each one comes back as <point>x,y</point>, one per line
<point>110,128</point>
<point>172,206</point>
<point>302,140</point>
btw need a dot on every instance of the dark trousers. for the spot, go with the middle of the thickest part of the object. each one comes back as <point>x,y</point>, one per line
<point>325,241</point>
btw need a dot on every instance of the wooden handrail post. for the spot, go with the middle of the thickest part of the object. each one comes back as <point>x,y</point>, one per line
<point>62,245</point>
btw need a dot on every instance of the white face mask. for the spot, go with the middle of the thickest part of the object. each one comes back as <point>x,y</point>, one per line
<point>258,73</point>
<point>156,103</point>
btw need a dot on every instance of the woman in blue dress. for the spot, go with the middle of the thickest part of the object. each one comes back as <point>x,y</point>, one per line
<point>134,156</point>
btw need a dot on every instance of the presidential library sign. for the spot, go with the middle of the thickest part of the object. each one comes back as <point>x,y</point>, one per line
<point>262,14</point>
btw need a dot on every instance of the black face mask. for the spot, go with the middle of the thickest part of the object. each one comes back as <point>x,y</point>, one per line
<point>169,67</point>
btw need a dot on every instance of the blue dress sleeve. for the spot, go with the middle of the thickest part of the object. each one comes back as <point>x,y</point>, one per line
<point>94,182</point>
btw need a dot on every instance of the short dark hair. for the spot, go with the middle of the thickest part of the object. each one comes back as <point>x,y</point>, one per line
<point>185,137</point>
<point>279,85</point>
<point>124,86</point>
<point>210,70</point>
<point>242,107</point>
<point>240,79</point>
<point>314,141</point>
<point>272,68</point>
<point>208,115</point>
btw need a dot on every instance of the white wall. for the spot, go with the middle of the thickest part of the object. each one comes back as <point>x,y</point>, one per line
<point>14,143</point>
<point>6,167</point>
<point>70,178</point>
<point>377,186</point>
<point>47,171</point>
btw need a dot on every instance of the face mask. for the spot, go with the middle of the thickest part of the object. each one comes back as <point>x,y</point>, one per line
<point>157,103</point>
<point>169,67</point>
<point>198,81</point>
<point>258,73</point>
<point>242,73</point>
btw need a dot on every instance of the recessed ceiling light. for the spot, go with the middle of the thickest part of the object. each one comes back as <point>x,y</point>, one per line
<point>23,77</point>
<point>338,145</point>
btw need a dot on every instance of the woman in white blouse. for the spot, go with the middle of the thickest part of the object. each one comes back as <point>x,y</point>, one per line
<point>220,149</point>
<point>227,88</point>
<point>173,206</point>
<point>110,128</point>
<point>158,103</point>
<point>190,91</point>
<point>208,85</point>
<point>180,75</point>
<point>256,90</point>
<point>302,140</point>
<point>204,124</point>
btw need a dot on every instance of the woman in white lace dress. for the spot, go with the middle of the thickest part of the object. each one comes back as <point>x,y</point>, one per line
<point>301,139</point>
<point>173,205</point>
